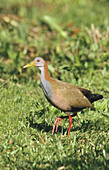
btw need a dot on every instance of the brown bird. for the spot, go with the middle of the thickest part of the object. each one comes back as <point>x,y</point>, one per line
<point>66,97</point>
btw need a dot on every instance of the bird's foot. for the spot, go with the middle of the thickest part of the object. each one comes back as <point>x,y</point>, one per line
<point>56,123</point>
<point>70,123</point>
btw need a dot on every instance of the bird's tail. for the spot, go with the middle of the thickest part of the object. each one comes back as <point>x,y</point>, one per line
<point>95,97</point>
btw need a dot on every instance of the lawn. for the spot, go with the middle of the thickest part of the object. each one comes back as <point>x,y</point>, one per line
<point>73,37</point>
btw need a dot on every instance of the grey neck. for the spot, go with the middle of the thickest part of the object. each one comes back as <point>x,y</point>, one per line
<point>46,87</point>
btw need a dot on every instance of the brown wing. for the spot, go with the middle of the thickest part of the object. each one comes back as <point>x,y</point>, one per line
<point>72,95</point>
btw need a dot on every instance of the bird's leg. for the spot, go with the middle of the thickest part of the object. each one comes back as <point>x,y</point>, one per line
<point>70,123</point>
<point>56,123</point>
<point>59,119</point>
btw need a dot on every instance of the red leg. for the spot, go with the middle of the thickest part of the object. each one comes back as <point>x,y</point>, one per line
<point>59,119</point>
<point>56,123</point>
<point>70,123</point>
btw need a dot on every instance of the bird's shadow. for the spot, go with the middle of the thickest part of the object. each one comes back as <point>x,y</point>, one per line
<point>48,128</point>
<point>41,126</point>
<point>84,126</point>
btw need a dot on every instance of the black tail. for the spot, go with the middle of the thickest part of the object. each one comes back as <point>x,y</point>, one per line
<point>95,97</point>
<point>91,96</point>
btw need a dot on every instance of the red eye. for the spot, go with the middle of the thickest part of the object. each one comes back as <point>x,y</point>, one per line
<point>38,60</point>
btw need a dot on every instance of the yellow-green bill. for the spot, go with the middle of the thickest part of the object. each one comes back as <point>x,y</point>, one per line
<point>30,64</point>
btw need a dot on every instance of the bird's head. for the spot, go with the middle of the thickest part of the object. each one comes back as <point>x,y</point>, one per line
<point>38,61</point>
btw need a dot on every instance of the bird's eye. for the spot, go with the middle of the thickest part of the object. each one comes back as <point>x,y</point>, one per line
<point>38,60</point>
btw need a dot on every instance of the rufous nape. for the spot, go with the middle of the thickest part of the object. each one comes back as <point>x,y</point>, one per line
<point>66,97</point>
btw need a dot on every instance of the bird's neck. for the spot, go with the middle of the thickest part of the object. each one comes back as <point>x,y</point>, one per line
<point>45,81</point>
<point>44,72</point>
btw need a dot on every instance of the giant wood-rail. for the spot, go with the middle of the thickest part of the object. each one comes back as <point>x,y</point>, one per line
<point>66,97</point>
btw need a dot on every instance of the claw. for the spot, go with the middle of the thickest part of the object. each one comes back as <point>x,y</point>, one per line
<point>56,123</point>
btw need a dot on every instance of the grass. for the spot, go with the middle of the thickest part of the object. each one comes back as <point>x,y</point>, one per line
<point>75,46</point>
<point>26,139</point>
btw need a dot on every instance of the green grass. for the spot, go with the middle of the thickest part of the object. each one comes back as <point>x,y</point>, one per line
<point>76,52</point>
<point>26,140</point>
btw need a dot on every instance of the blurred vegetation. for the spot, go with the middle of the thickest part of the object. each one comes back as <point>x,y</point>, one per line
<point>73,37</point>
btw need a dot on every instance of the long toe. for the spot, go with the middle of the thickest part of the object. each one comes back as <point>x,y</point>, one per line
<point>59,120</point>
<point>56,123</point>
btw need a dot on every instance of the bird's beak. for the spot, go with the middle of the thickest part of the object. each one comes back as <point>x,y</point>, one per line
<point>30,64</point>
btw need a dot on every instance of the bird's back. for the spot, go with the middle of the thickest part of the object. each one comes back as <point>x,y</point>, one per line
<point>68,97</point>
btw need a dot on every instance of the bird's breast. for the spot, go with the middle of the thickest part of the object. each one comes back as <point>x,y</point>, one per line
<point>46,87</point>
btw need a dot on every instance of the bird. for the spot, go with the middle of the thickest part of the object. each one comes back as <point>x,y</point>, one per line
<point>64,96</point>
